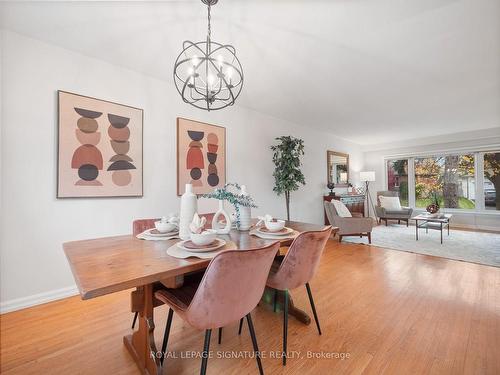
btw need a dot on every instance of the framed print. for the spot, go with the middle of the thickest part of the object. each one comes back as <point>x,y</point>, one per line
<point>99,148</point>
<point>201,156</point>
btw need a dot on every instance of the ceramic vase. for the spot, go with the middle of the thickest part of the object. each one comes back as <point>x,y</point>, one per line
<point>189,206</point>
<point>221,213</point>
<point>245,213</point>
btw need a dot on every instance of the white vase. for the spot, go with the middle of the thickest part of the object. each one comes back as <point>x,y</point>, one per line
<point>218,215</point>
<point>245,213</point>
<point>189,206</point>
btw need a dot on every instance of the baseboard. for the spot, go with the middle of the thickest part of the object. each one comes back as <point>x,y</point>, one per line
<point>475,227</point>
<point>37,299</point>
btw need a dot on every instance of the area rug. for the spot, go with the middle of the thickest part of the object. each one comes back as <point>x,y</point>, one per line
<point>468,246</point>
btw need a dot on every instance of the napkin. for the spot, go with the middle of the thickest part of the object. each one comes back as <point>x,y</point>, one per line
<point>197,224</point>
<point>263,219</point>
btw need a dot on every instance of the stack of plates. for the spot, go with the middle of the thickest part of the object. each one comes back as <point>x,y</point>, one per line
<point>266,233</point>
<point>191,247</point>
<point>154,234</point>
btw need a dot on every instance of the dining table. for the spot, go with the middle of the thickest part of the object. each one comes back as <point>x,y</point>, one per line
<point>112,264</point>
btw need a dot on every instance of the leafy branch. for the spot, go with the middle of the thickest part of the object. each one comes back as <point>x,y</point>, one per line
<point>236,199</point>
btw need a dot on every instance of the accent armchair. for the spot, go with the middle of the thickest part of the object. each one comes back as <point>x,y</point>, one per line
<point>403,214</point>
<point>349,226</point>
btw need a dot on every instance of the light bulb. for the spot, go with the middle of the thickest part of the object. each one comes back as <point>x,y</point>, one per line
<point>195,60</point>
<point>210,79</point>
<point>220,60</point>
<point>229,72</point>
<point>190,71</point>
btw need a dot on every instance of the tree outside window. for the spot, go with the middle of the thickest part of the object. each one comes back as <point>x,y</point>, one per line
<point>397,178</point>
<point>492,180</point>
<point>451,177</point>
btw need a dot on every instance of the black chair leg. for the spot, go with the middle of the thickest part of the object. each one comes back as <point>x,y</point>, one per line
<point>206,347</point>
<point>313,307</point>
<point>254,342</point>
<point>285,325</point>
<point>135,319</point>
<point>165,336</point>
<point>241,326</point>
<point>220,335</point>
<point>275,299</point>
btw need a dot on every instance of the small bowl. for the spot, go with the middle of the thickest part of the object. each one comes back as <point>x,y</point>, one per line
<point>275,226</point>
<point>204,238</point>
<point>164,227</point>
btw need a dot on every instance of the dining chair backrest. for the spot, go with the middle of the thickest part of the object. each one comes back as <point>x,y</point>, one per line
<point>140,225</point>
<point>301,260</point>
<point>231,287</point>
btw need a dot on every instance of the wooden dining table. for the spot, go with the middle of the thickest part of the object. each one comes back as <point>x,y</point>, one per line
<point>111,264</point>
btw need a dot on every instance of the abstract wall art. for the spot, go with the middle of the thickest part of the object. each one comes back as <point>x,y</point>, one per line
<point>201,156</point>
<point>100,148</point>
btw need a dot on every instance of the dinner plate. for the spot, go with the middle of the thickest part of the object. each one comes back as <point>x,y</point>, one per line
<point>188,245</point>
<point>153,232</point>
<point>282,232</point>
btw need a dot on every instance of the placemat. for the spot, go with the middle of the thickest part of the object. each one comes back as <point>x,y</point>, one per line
<point>144,236</point>
<point>292,235</point>
<point>177,252</point>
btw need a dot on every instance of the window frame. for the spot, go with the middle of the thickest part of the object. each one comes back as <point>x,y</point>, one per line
<point>478,177</point>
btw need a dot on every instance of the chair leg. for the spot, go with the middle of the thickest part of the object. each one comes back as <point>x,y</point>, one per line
<point>165,336</point>
<point>241,326</point>
<point>340,238</point>
<point>135,319</point>
<point>204,357</point>
<point>275,299</point>
<point>285,325</point>
<point>370,238</point>
<point>254,342</point>
<point>311,300</point>
<point>220,335</point>
<point>406,223</point>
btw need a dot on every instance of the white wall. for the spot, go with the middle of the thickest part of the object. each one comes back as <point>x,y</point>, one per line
<point>34,223</point>
<point>469,141</point>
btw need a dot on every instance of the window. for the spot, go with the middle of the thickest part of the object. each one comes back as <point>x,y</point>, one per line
<point>397,178</point>
<point>447,178</point>
<point>491,180</point>
<point>467,181</point>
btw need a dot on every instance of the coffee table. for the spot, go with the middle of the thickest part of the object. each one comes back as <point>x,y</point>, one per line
<point>432,222</point>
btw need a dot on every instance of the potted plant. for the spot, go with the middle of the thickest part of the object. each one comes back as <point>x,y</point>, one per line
<point>238,199</point>
<point>287,173</point>
<point>434,206</point>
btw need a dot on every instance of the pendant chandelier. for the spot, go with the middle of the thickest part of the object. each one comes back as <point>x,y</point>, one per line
<point>207,74</point>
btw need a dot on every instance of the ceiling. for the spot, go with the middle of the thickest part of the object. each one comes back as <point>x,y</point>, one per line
<point>369,71</point>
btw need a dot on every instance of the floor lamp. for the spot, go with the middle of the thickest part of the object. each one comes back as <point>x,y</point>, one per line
<point>368,177</point>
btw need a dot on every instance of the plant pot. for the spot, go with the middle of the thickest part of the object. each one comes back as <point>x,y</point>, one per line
<point>245,218</point>
<point>432,208</point>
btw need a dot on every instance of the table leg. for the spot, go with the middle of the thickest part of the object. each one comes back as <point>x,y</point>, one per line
<point>416,229</point>
<point>268,301</point>
<point>140,344</point>
<point>441,230</point>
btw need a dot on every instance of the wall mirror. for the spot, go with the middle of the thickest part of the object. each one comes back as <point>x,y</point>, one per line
<point>338,168</point>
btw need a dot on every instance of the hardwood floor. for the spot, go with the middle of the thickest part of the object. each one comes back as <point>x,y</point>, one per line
<point>391,312</point>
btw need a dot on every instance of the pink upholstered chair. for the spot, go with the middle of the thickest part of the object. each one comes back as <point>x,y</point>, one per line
<point>140,225</point>
<point>229,290</point>
<point>297,268</point>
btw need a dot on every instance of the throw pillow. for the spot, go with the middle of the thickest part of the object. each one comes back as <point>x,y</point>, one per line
<point>341,208</point>
<point>390,203</point>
